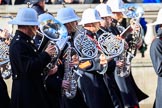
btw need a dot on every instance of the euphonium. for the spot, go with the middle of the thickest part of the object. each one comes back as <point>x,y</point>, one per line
<point>126,58</point>
<point>70,72</point>
<point>135,28</point>
<point>57,34</point>
<point>133,36</point>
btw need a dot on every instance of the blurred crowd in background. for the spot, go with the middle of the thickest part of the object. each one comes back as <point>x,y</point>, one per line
<point>17,2</point>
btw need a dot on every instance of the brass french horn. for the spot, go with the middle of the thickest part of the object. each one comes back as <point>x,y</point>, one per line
<point>85,47</point>
<point>110,46</point>
<point>5,67</point>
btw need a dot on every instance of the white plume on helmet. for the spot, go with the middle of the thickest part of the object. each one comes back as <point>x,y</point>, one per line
<point>90,16</point>
<point>25,16</point>
<point>66,15</point>
<point>116,5</point>
<point>140,10</point>
<point>104,10</point>
<point>158,19</point>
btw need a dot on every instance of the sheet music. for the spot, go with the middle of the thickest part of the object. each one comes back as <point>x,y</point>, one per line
<point>126,32</point>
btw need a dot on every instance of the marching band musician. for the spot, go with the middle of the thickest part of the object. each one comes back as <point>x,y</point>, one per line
<point>39,40</point>
<point>53,82</point>
<point>140,12</point>
<point>105,13</point>
<point>27,63</point>
<point>69,18</point>
<point>4,97</point>
<point>4,35</point>
<point>156,58</point>
<point>91,83</point>
<point>117,10</point>
<point>38,6</point>
<point>130,93</point>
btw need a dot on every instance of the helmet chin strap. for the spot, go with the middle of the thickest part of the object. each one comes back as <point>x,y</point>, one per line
<point>32,30</point>
<point>74,28</point>
<point>97,28</point>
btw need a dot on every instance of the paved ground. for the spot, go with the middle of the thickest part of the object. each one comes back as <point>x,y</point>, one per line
<point>145,78</point>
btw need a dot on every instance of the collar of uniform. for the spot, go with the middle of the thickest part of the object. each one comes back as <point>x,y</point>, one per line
<point>101,31</point>
<point>90,34</point>
<point>159,33</point>
<point>71,36</point>
<point>38,8</point>
<point>23,36</point>
<point>114,22</point>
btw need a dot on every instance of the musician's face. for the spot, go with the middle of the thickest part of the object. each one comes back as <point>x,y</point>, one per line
<point>118,16</point>
<point>95,27</point>
<point>68,1</point>
<point>4,34</point>
<point>106,21</point>
<point>32,30</point>
<point>160,26</point>
<point>71,27</point>
<point>42,4</point>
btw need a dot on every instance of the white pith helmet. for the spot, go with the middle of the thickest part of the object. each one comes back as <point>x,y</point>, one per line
<point>116,5</point>
<point>90,16</point>
<point>66,15</point>
<point>158,19</point>
<point>25,16</point>
<point>104,10</point>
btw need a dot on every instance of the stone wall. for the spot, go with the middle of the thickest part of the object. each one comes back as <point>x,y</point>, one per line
<point>151,9</point>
